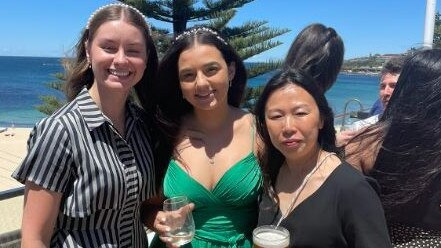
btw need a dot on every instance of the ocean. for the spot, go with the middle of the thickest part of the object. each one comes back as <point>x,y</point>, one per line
<point>23,80</point>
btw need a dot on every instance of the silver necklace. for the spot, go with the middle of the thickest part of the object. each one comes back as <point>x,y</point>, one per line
<point>302,186</point>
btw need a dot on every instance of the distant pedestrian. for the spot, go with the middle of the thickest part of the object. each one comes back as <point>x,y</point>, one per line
<point>388,80</point>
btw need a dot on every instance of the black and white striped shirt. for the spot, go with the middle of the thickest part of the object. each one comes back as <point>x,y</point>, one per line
<point>103,176</point>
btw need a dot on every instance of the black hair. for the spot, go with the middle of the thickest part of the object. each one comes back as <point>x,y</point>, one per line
<point>408,164</point>
<point>393,66</point>
<point>270,158</point>
<point>319,51</point>
<point>171,106</point>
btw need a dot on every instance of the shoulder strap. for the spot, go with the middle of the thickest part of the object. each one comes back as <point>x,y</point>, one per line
<point>253,132</point>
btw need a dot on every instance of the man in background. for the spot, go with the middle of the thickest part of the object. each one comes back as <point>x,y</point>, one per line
<point>388,80</point>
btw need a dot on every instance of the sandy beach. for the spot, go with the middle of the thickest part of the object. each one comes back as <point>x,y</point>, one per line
<point>12,151</point>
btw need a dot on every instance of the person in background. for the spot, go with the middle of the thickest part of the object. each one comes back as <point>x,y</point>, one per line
<point>402,151</point>
<point>377,108</point>
<point>318,50</point>
<point>388,80</point>
<point>389,77</point>
<point>209,139</point>
<point>321,200</point>
<point>90,165</point>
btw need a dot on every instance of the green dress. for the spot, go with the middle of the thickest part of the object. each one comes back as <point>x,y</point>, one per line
<point>226,215</point>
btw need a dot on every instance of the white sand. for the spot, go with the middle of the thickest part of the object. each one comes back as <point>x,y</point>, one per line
<point>12,151</point>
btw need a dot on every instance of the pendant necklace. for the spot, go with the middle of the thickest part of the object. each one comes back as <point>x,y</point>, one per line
<point>302,186</point>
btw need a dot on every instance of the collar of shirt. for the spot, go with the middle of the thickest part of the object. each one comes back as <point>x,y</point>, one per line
<point>94,117</point>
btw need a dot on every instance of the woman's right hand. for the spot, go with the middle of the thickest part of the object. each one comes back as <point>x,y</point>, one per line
<point>162,228</point>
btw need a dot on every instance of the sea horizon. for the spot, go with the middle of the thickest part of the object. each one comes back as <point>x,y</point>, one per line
<point>23,81</point>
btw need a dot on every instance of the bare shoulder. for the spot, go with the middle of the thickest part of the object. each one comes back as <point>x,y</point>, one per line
<point>249,124</point>
<point>243,118</point>
<point>362,151</point>
<point>240,113</point>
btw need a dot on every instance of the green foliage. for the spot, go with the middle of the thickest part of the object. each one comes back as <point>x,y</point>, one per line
<point>59,84</point>
<point>250,97</point>
<point>249,39</point>
<point>262,68</point>
<point>181,12</point>
<point>162,40</point>
<point>51,103</point>
<point>372,64</point>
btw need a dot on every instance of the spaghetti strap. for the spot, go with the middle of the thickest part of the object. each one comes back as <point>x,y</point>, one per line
<point>253,134</point>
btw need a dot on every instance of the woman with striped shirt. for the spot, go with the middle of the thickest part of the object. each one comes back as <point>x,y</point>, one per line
<point>90,165</point>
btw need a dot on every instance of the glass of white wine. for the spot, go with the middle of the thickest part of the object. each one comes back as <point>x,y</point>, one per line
<point>179,219</point>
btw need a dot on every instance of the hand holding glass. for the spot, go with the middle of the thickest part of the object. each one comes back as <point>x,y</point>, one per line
<point>179,219</point>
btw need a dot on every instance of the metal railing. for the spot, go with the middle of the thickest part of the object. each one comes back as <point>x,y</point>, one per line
<point>11,239</point>
<point>360,114</point>
<point>11,193</point>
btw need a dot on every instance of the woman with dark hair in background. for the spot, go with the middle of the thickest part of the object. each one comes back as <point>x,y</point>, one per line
<point>208,138</point>
<point>403,152</point>
<point>90,164</point>
<point>321,200</point>
<point>318,50</point>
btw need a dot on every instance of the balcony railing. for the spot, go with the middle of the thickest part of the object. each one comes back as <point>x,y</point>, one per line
<point>10,239</point>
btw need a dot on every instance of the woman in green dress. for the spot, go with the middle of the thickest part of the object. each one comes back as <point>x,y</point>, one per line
<point>209,140</point>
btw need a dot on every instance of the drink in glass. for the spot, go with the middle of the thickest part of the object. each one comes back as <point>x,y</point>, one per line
<point>179,219</point>
<point>270,236</point>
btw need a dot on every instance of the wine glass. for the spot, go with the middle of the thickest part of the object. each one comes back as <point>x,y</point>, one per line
<point>179,219</point>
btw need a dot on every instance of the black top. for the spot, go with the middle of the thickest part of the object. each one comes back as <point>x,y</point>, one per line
<point>344,212</point>
<point>103,177</point>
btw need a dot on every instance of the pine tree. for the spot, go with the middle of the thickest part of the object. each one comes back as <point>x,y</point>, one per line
<point>52,103</point>
<point>249,39</point>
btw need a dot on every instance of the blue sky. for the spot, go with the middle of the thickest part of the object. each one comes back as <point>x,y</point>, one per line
<point>50,28</point>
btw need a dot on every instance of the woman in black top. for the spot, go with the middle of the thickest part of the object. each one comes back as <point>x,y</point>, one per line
<point>90,164</point>
<point>320,199</point>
